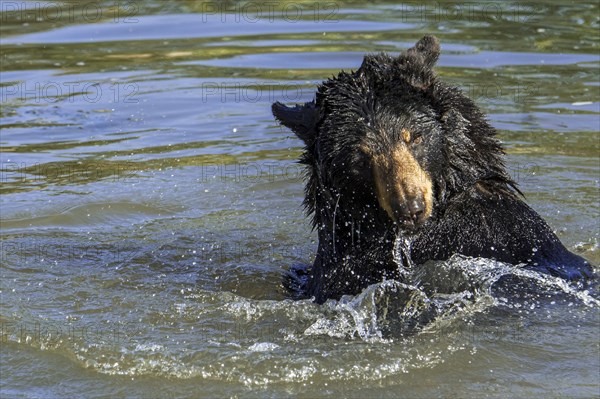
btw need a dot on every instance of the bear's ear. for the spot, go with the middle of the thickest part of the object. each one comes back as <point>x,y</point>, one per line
<point>301,119</point>
<point>428,48</point>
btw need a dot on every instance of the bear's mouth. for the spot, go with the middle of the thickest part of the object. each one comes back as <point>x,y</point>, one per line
<point>409,224</point>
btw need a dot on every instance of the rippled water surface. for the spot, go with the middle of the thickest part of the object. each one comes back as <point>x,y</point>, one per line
<point>151,205</point>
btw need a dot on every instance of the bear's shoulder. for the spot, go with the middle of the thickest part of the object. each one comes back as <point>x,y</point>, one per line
<point>490,220</point>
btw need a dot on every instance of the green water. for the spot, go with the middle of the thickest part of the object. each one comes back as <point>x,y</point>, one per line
<point>150,203</point>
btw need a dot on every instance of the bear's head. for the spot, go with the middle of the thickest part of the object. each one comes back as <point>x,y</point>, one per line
<point>386,145</point>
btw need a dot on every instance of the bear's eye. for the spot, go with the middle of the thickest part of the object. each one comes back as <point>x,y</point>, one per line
<point>362,167</point>
<point>362,163</point>
<point>417,140</point>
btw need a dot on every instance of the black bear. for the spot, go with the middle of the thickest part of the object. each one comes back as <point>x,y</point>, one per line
<point>394,153</point>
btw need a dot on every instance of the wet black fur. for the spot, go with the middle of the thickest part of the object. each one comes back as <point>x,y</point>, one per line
<point>478,210</point>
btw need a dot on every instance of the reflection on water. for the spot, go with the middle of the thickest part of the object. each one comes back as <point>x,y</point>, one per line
<point>151,205</point>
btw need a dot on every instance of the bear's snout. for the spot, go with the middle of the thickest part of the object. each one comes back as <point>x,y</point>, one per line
<point>404,189</point>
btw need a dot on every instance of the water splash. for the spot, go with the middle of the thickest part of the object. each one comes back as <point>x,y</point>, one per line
<point>441,291</point>
<point>402,255</point>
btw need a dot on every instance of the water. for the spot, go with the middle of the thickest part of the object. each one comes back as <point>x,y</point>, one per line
<point>150,204</point>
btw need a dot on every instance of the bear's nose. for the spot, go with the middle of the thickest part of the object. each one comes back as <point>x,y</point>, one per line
<point>409,212</point>
<point>416,207</point>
